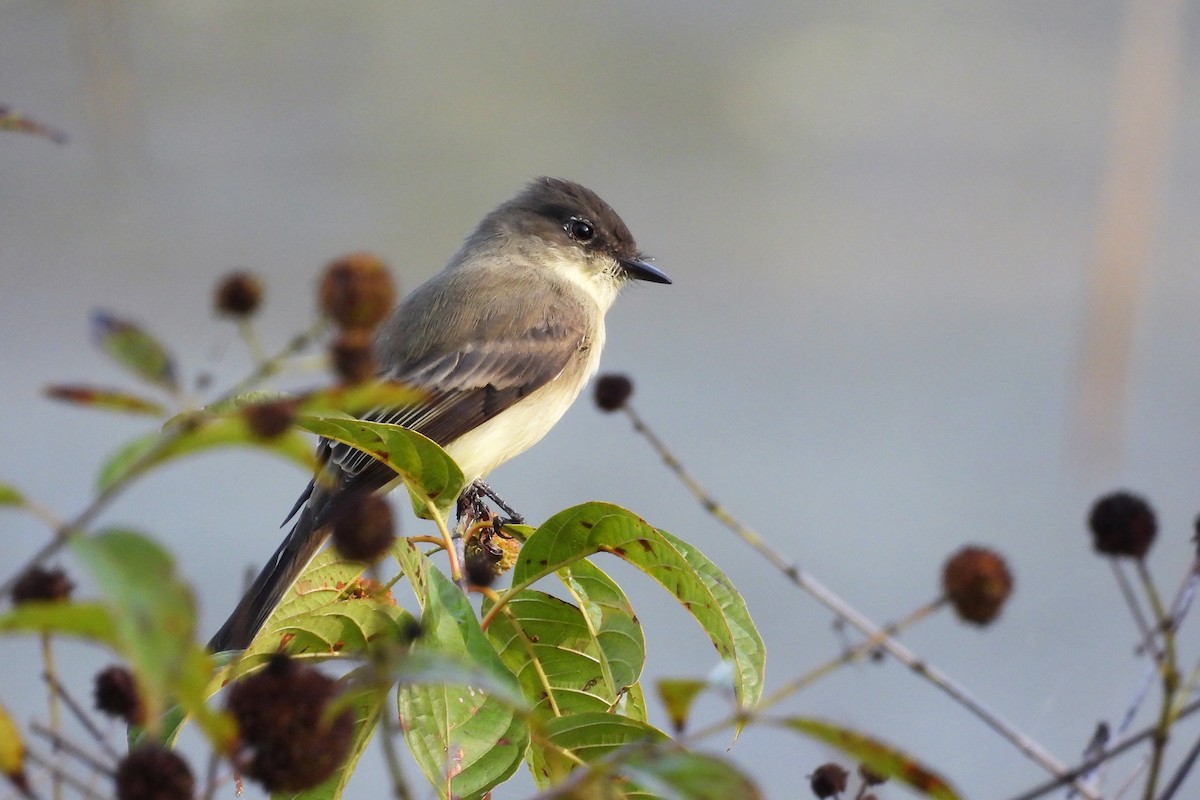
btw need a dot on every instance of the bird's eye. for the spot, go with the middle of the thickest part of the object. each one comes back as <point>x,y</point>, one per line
<point>580,230</point>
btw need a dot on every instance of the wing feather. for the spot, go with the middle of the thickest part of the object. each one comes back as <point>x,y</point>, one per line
<point>464,388</point>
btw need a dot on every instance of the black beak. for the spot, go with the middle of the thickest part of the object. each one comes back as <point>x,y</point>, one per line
<point>640,270</point>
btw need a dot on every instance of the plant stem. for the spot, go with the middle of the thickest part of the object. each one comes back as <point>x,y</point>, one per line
<point>1168,669</point>
<point>844,611</point>
<point>80,715</point>
<point>55,707</point>
<point>64,531</point>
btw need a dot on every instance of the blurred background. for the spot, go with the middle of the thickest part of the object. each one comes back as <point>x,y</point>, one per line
<point>935,284</point>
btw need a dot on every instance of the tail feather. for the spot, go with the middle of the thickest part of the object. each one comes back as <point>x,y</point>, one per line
<point>272,583</point>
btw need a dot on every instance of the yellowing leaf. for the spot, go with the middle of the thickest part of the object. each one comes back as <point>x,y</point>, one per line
<point>677,695</point>
<point>879,757</point>
<point>12,750</point>
<point>104,399</point>
<point>10,120</point>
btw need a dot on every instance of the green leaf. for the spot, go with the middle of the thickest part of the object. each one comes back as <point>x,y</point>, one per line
<point>611,621</point>
<point>682,570</point>
<point>134,349</point>
<point>12,750</point>
<point>879,757</point>
<point>566,661</point>
<point>105,399</point>
<point>325,613</point>
<point>545,641</point>
<point>687,776</point>
<point>366,697</point>
<point>360,399</point>
<point>196,433</point>
<point>588,738</point>
<point>151,606</point>
<point>464,739</point>
<point>91,621</point>
<point>626,760</point>
<point>329,609</point>
<point>232,405</point>
<point>426,469</point>
<point>9,496</point>
<point>633,704</point>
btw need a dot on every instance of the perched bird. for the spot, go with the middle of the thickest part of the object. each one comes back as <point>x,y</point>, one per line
<point>501,342</point>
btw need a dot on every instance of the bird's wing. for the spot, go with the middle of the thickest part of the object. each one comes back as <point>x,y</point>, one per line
<point>464,388</point>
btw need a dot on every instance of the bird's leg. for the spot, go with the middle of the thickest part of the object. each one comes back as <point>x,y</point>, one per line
<point>479,490</point>
<point>470,503</point>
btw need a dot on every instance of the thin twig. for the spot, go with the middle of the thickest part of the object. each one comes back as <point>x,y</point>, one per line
<point>845,611</point>
<point>60,742</point>
<point>850,654</point>
<point>53,705</point>
<point>66,530</point>
<point>1189,761</point>
<point>34,757</point>
<point>387,730</point>
<point>1089,764</point>
<point>1169,670</point>
<point>381,670</point>
<point>456,573</point>
<point>1148,635</point>
<point>1135,703</point>
<point>212,775</point>
<point>250,338</point>
<point>80,715</point>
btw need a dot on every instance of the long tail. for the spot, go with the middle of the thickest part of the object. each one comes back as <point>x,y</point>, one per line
<point>280,572</point>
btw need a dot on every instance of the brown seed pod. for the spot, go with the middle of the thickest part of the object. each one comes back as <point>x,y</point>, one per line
<point>1122,524</point>
<point>612,391</point>
<point>116,694</point>
<point>290,741</point>
<point>363,527</point>
<point>357,291</point>
<point>828,780</point>
<point>270,418</point>
<point>353,356</point>
<point>152,772</point>
<point>977,582</point>
<point>37,583</point>
<point>238,295</point>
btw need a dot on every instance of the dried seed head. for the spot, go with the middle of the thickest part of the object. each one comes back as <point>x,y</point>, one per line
<point>1122,524</point>
<point>353,356</point>
<point>116,694</point>
<point>151,772</point>
<point>290,741</point>
<point>37,583</point>
<point>238,295</point>
<point>828,780</point>
<point>270,418</point>
<point>613,391</point>
<point>357,291</point>
<point>977,582</point>
<point>363,527</point>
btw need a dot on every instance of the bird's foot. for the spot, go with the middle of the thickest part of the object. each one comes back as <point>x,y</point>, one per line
<point>472,504</point>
